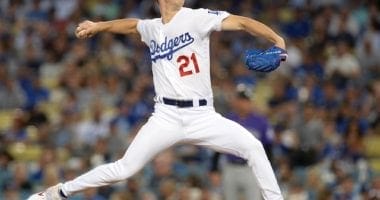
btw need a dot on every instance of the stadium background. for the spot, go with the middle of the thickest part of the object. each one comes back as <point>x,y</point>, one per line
<point>67,105</point>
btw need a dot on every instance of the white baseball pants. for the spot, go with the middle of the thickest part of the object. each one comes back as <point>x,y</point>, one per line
<point>169,125</point>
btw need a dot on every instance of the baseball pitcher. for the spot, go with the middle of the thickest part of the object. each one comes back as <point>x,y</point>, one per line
<point>180,53</point>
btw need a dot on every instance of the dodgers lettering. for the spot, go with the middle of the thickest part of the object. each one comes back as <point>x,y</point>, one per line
<point>169,46</point>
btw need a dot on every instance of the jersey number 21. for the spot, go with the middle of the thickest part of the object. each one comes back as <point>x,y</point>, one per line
<point>184,62</point>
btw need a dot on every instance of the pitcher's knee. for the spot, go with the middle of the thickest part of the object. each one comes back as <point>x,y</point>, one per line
<point>126,169</point>
<point>254,148</point>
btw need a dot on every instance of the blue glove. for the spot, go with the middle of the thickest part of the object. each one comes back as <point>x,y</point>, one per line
<point>265,61</point>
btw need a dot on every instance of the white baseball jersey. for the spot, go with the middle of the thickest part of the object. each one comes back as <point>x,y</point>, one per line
<point>180,52</point>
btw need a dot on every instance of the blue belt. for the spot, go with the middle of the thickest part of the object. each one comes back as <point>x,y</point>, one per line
<point>183,103</point>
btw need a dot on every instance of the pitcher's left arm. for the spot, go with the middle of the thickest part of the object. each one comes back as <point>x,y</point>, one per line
<point>256,28</point>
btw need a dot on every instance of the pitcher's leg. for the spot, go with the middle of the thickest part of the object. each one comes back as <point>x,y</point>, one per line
<point>152,138</point>
<point>224,135</point>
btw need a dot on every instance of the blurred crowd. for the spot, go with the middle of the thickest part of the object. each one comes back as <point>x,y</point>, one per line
<point>68,105</point>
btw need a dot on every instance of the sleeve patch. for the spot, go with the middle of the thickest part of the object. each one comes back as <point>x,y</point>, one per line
<point>214,12</point>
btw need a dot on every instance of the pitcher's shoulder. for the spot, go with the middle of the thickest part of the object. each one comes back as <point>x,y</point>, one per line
<point>204,11</point>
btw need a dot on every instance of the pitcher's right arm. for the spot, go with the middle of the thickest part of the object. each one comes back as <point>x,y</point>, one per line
<point>88,28</point>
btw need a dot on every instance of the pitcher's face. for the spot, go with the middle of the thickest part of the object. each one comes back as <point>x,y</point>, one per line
<point>178,3</point>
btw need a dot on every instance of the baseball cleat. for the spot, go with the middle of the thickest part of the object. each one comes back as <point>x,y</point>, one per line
<point>51,193</point>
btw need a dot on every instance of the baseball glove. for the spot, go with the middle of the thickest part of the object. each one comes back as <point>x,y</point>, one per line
<point>265,61</point>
